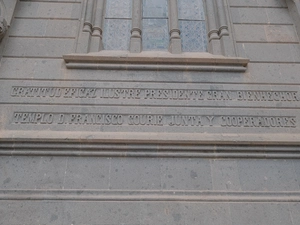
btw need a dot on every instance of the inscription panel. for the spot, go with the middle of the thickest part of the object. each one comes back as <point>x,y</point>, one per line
<point>48,118</point>
<point>145,94</point>
<point>149,110</point>
<point>163,94</point>
<point>149,119</point>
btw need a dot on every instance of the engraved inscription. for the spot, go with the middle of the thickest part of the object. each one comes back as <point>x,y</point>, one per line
<point>34,118</point>
<point>267,96</point>
<point>155,94</point>
<point>246,121</point>
<point>182,120</point>
<point>154,120</point>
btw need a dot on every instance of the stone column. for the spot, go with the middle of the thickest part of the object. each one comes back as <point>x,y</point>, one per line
<point>227,46</point>
<point>84,39</point>
<point>96,39</point>
<point>136,31</point>
<point>223,27</point>
<point>175,40</point>
<point>213,32</point>
<point>88,16</point>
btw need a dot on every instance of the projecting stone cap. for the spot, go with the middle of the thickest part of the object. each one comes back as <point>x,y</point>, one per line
<point>151,60</point>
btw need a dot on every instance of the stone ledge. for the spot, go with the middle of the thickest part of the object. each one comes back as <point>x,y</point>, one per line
<point>83,148</point>
<point>147,195</point>
<point>164,61</point>
<point>49,143</point>
<point>265,139</point>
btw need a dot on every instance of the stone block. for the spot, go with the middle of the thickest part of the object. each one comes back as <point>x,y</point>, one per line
<point>267,175</point>
<point>44,28</point>
<point>186,174</point>
<point>87,173</point>
<point>260,213</point>
<point>62,10</point>
<point>32,172</point>
<point>225,175</point>
<point>135,174</point>
<point>36,47</point>
<point>263,52</point>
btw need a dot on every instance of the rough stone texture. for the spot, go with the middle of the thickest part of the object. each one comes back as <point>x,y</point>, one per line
<point>231,158</point>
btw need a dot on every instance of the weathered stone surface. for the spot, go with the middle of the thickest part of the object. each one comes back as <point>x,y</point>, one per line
<point>150,138</point>
<point>148,213</point>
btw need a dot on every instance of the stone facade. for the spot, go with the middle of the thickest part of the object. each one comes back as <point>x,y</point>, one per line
<point>146,138</point>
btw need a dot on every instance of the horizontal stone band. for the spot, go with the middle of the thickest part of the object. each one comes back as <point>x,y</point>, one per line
<point>156,195</point>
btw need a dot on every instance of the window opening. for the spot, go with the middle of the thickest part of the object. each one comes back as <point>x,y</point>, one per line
<point>117,24</point>
<point>155,25</point>
<point>192,25</point>
<point>178,26</point>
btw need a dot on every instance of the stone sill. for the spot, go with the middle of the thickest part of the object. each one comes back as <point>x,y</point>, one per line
<point>151,60</point>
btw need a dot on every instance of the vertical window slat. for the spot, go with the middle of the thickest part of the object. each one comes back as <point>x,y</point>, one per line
<point>155,9</point>
<point>155,25</point>
<point>155,34</point>
<point>192,25</point>
<point>116,35</point>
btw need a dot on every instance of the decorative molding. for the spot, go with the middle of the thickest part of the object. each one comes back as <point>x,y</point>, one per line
<point>219,36</point>
<point>90,36</point>
<point>147,150</point>
<point>10,6</point>
<point>90,54</point>
<point>123,60</point>
<point>97,30</point>
<point>3,21</point>
<point>148,195</point>
<point>294,8</point>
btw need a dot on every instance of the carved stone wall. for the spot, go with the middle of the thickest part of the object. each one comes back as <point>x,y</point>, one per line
<point>100,137</point>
